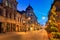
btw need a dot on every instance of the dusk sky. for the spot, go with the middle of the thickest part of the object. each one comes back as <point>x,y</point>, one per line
<point>41,8</point>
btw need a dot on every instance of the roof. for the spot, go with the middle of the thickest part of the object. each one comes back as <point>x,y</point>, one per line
<point>21,12</point>
<point>29,7</point>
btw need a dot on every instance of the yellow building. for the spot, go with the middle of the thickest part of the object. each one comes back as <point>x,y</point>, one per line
<point>12,20</point>
<point>8,17</point>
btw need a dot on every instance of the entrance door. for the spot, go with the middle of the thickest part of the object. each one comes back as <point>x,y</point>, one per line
<point>0,27</point>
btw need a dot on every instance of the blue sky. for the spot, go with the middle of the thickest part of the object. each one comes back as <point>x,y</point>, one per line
<point>41,8</point>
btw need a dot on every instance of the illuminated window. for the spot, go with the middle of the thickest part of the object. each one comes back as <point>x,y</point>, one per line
<point>6,3</point>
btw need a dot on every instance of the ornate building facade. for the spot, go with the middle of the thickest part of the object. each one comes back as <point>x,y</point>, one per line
<point>8,17</point>
<point>13,20</point>
<point>32,19</point>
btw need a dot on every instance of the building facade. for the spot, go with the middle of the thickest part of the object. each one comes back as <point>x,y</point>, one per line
<point>57,4</point>
<point>8,17</point>
<point>55,14</point>
<point>32,19</point>
<point>12,20</point>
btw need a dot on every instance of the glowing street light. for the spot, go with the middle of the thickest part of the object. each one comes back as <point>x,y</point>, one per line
<point>31,28</point>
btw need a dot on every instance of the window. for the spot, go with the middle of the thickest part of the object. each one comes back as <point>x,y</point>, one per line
<point>10,4</point>
<point>6,13</point>
<point>0,1</point>
<point>13,6</point>
<point>10,15</point>
<point>29,14</point>
<point>58,10</point>
<point>1,12</point>
<point>14,16</point>
<point>14,26</point>
<point>18,18</point>
<point>6,3</point>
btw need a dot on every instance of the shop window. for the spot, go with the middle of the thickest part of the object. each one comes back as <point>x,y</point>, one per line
<point>14,27</point>
<point>8,27</point>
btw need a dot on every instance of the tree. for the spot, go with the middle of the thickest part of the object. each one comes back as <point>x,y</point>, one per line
<point>52,27</point>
